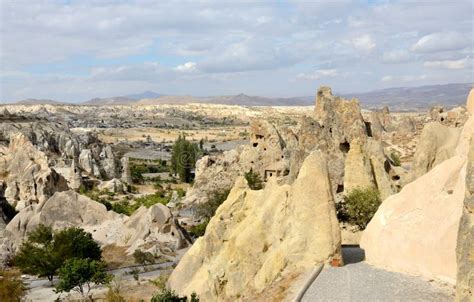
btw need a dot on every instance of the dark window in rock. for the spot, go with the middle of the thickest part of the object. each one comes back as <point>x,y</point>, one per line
<point>368,127</point>
<point>386,166</point>
<point>259,136</point>
<point>286,172</point>
<point>330,130</point>
<point>264,149</point>
<point>395,177</point>
<point>442,119</point>
<point>255,144</point>
<point>340,189</point>
<point>282,156</point>
<point>345,147</point>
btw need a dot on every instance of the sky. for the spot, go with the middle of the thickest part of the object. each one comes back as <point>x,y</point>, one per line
<point>75,50</point>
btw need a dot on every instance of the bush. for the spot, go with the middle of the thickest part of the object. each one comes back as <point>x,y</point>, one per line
<point>12,288</point>
<point>215,199</point>
<point>170,296</point>
<point>114,293</point>
<point>207,210</point>
<point>359,207</point>
<point>143,258</point>
<point>254,180</point>
<point>395,157</point>
<point>199,229</point>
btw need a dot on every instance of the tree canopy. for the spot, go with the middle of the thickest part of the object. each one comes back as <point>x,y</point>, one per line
<point>183,158</point>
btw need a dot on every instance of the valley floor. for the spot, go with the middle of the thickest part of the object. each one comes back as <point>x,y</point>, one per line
<point>359,281</point>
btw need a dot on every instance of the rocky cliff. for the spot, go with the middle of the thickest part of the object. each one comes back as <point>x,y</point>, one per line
<point>259,238</point>
<point>416,230</point>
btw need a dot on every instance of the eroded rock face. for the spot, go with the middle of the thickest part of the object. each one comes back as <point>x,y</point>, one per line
<point>416,230</point>
<point>28,177</point>
<point>436,144</point>
<point>153,228</point>
<point>465,243</point>
<point>257,237</point>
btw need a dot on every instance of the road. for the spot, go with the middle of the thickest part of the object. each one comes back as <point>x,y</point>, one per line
<point>359,281</point>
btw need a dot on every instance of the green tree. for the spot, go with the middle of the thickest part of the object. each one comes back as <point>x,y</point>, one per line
<point>254,180</point>
<point>183,158</point>
<point>74,242</point>
<point>44,252</point>
<point>81,275</point>
<point>359,206</point>
<point>36,256</point>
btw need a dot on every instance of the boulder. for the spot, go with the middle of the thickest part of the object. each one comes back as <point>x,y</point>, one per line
<point>112,186</point>
<point>259,237</point>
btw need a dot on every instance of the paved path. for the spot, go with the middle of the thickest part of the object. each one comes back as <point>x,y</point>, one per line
<point>358,281</point>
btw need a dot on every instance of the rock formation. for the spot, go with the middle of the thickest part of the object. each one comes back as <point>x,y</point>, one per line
<point>257,237</point>
<point>153,228</point>
<point>465,241</point>
<point>27,175</point>
<point>436,144</point>
<point>415,231</point>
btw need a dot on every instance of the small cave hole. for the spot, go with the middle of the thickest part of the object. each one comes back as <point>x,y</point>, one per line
<point>442,119</point>
<point>368,128</point>
<point>345,147</point>
<point>395,177</point>
<point>340,189</point>
<point>255,144</point>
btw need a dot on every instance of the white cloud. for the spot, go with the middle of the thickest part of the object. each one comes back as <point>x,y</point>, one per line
<point>404,78</point>
<point>441,41</point>
<point>364,43</point>
<point>447,64</point>
<point>318,74</point>
<point>396,56</point>
<point>186,67</point>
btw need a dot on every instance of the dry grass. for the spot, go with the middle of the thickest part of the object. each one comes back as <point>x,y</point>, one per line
<point>116,256</point>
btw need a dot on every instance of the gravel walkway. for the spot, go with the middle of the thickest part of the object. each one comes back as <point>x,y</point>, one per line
<point>358,281</point>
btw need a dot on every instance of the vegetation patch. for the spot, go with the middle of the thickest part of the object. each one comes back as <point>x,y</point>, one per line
<point>359,206</point>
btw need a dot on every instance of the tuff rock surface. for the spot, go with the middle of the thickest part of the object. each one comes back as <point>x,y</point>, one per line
<point>416,230</point>
<point>154,227</point>
<point>257,237</point>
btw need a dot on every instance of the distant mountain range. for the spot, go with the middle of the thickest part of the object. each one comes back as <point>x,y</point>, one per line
<point>399,98</point>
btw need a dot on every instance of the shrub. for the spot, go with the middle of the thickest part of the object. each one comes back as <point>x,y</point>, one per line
<point>12,288</point>
<point>170,296</point>
<point>215,199</point>
<point>254,180</point>
<point>207,210</point>
<point>395,157</point>
<point>359,206</point>
<point>114,292</point>
<point>199,229</point>
<point>143,258</point>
